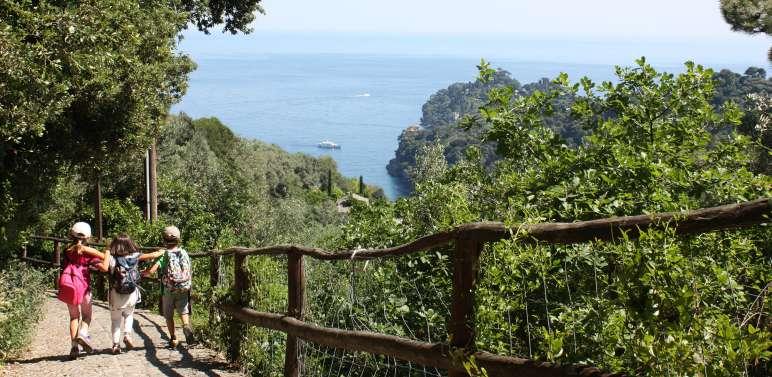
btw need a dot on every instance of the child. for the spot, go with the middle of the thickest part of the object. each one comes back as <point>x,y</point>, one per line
<point>175,274</point>
<point>124,287</point>
<point>75,287</point>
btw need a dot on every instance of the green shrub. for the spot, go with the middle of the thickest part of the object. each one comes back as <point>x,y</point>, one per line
<point>21,300</point>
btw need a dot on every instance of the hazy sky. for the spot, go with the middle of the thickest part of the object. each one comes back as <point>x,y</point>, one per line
<point>590,31</point>
<point>649,18</point>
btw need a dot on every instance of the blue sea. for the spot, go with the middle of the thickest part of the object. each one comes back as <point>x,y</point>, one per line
<point>361,101</point>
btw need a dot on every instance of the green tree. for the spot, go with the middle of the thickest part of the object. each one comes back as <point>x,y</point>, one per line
<point>234,15</point>
<point>86,85</point>
<point>638,306</point>
<point>749,16</point>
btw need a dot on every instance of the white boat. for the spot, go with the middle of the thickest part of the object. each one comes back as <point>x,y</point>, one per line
<point>328,145</point>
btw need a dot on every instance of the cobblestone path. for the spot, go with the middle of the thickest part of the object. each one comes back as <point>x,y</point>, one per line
<point>48,353</point>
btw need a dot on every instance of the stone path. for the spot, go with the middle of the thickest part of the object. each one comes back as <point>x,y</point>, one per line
<point>48,353</point>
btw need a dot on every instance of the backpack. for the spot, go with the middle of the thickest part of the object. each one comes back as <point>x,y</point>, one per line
<point>72,284</point>
<point>177,276</point>
<point>125,276</point>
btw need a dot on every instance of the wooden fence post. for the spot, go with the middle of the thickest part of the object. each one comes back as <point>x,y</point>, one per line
<point>465,265</point>
<point>296,287</point>
<point>57,262</point>
<point>57,254</point>
<point>240,284</point>
<point>214,281</point>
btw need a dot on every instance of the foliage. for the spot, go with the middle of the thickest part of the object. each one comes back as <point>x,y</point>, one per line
<point>662,305</point>
<point>451,111</point>
<point>86,85</point>
<point>235,15</point>
<point>83,86</point>
<point>218,136</point>
<point>439,116</point>
<point>749,16</point>
<point>22,291</point>
<point>221,191</point>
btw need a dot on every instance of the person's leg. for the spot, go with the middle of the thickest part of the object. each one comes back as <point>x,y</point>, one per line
<point>85,312</point>
<point>116,318</point>
<point>74,311</point>
<point>167,306</point>
<point>115,329</point>
<point>183,307</point>
<point>128,326</point>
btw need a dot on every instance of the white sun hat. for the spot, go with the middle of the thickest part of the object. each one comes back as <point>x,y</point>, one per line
<point>80,230</point>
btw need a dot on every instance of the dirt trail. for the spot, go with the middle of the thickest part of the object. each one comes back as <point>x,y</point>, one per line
<point>48,353</point>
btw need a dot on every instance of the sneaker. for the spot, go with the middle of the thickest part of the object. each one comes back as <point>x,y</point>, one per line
<point>128,342</point>
<point>116,349</point>
<point>173,343</point>
<point>189,338</point>
<point>74,351</point>
<point>85,342</point>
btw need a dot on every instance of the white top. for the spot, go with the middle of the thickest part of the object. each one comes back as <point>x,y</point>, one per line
<point>119,301</point>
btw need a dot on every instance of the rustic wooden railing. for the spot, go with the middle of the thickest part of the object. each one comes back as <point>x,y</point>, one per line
<point>468,241</point>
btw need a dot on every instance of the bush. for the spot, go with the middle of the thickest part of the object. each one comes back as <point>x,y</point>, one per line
<point>21,300</point>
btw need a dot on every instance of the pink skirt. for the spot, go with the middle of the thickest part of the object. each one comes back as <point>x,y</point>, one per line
<point>72,288</point>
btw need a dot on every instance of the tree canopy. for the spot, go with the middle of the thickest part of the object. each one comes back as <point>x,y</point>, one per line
<point>749,16</point>
<point>445,112</point>
<point>662,305</point>
<point>88,84</point>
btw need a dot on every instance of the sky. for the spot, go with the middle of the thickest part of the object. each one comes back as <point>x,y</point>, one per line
<point>589,31</point>
<point>650,18</point>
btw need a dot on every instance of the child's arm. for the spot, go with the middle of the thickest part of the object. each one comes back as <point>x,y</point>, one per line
<point>104,265</point>
<point>90,251</point>
<point>150,271</point>
<point>153,255</point>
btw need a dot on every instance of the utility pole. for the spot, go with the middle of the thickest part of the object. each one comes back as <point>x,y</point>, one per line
<point>147,185</point>
<point>98,207</point>
<point>100,280</point>
<point>153,182</point>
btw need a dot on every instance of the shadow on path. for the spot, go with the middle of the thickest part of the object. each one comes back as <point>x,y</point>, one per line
<point>187,360</point>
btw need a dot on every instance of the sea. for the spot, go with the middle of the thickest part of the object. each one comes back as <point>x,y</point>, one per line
<point>361,100</point>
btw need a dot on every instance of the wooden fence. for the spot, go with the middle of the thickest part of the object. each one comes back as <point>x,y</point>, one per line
<point>468,241</point>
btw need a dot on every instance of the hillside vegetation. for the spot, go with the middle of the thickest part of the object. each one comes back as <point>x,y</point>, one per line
<point>662,305</point>
<point>444,113</point>
<point>222,189</point>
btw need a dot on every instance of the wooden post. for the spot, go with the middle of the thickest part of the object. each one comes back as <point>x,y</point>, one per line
<point>98,208</point>
<point>99,282</point>
<point>214,270</point>
<point>329,182</point>
<point>57,262</point>
<point>240,285</point>
<point>465,265</point>
<point>214,281</point>
<point>153,181</point>
<point>24,251</point>
<point>57,254</point>
<point>296,287</point>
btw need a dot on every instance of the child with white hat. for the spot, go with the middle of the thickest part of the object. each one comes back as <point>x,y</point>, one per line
<point>75,284</point>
